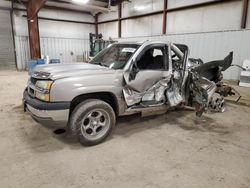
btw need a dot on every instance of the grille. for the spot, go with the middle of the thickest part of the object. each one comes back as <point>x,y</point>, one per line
<point>31,92</point>
<point>33,80</point>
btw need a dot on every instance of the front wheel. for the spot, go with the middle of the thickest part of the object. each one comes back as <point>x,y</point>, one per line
<point>92,120</point>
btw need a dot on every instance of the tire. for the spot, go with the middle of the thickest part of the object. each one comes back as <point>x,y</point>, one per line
<point>92,121</point>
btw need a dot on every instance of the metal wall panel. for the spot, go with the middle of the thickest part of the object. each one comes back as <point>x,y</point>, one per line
<point>108,30</point>
<point>137,7</point>
<point>22,51</point>
<point>146,26</point>
<point>66,15</point>
<point>62,40</point>
<point>7,58</point>
<point>65,49</point>
<point>64,29</point>
<point>179,3</point>
<point>108,16</point>
<point>211,46</point>
<point>224,16</point>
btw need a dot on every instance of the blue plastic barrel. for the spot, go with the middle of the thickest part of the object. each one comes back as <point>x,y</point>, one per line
<point>40,61</point>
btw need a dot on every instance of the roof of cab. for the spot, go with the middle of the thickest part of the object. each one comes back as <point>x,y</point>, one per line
<point>143,42</point>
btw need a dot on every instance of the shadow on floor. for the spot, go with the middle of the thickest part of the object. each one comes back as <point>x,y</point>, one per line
<point>42,139</point>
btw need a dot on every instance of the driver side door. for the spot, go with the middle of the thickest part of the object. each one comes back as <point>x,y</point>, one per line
<point>151,65</point>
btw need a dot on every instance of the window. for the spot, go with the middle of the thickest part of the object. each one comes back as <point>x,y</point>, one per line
<point>116,56</point>
<point>152,59</point>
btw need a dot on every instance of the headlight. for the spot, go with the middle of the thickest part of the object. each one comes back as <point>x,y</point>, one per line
<point>42,96</point>
<point>43,87</point>
<point>44,84</point>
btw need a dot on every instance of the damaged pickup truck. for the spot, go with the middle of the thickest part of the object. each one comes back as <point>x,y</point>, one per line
<point>123,79</point>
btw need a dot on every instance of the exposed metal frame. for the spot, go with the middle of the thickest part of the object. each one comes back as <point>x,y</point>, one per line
<point>164,24</point>
<point>119,20</point>
<point>63,20</point>
<point>96,25</point>
<point>244,14</point>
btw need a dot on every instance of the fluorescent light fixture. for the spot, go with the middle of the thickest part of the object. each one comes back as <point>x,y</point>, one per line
<point>80,1</point>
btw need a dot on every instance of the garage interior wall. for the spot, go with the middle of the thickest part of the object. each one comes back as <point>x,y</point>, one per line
<point>58,39</point>
<point>7,57</point>
<point>211,32</point>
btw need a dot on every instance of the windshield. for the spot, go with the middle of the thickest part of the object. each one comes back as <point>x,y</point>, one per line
<point>116,56</point>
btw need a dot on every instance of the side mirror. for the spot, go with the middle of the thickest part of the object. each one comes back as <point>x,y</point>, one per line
<point>133,72</point>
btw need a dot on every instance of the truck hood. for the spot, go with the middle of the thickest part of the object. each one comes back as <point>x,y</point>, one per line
<point>58,71</point>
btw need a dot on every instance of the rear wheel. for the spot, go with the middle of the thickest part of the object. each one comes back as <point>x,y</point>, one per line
<point>92,120</point>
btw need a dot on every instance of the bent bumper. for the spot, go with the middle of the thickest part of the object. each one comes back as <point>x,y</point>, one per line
<point>47,113</point>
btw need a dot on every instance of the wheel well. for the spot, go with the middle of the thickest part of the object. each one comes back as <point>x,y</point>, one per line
<point>104,96</point>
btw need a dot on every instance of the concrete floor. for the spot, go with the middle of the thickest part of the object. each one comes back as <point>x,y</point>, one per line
<point>172,150</point>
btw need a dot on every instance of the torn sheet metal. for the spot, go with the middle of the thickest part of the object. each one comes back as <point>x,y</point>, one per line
<point>155,93</point>
<point>131,97</point>
<point>203,91</point>
<point>174,96</point>
<point>212,70</point>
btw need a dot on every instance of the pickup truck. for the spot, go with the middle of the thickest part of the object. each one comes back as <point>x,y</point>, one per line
<point>123,79</point>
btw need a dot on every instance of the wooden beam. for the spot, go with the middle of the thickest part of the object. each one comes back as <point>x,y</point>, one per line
<point>119,20</point>
<point>33,8</point>
<point>244,14</point>
<point>164,24</point>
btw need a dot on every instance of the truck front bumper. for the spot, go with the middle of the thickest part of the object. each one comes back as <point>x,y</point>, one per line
<point>51,114</point>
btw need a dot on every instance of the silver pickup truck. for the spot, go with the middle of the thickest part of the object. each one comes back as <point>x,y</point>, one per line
<point>125,78</point>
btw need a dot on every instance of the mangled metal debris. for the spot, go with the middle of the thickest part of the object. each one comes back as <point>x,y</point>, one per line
<point>203,88</point>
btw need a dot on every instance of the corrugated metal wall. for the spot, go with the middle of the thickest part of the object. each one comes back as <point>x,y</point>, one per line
<point>65,49</point>
<point>7,58</point>
<point>58,39</point>
<point>22,51</point>
<point>211,46</point>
